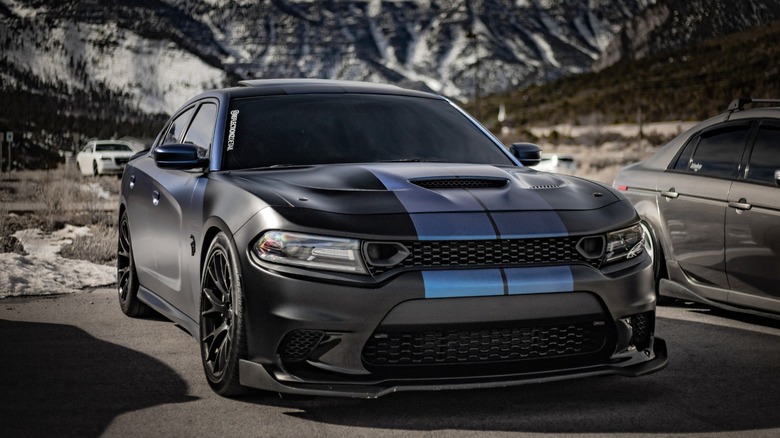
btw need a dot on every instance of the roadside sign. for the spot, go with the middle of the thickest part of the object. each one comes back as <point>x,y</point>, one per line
<point>9,137</point>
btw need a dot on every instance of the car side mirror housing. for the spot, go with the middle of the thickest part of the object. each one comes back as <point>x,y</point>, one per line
<point>179,157</point>
<point>528,154</point>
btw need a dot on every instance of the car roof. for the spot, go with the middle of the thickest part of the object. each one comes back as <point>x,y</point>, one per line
<point>274,87</point>
<point>735,111</point>
<point>110,141</point>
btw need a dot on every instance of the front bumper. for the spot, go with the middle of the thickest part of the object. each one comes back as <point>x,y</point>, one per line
<point>591,328</point>
<point>255,375</point>
<point>114,166</point>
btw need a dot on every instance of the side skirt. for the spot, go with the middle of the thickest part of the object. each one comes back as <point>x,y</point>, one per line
<point>168,311</point>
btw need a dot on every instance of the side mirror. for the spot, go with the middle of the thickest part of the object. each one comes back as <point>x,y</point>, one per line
<point>179,157</point>
<point>777,177</point>
<point>528,154</point>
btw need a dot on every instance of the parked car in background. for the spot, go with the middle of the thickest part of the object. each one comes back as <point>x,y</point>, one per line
<point>557,163</point>
<point>356,239</point>
<point>710,207</point>
<point>102,157</point>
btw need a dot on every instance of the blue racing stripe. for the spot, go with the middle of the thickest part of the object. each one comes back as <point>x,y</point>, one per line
<point>489,282</point>
<point>453,226</point>
<point>539,280</point>
<point>450,215</point>
<point>525,224</point>
<point>467,283</point>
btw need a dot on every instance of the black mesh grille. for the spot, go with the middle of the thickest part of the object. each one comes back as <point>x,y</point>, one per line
<point>643,325</point>
<point>121,160</point>
<point>483,346</point>
<point>460,183</point>
<point>472,253</point>
<point>297,345</point>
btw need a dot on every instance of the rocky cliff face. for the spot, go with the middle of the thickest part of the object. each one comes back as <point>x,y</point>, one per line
<point>157,53</point>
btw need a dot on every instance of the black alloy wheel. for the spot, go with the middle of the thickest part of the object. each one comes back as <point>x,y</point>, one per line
<point>222,338</point>
<point>126,276</point>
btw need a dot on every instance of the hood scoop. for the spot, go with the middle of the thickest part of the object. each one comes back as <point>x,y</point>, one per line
<point>460,183</point>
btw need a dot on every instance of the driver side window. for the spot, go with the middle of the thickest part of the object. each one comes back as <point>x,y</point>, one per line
<point>201,131</point>
<point>177,127</point>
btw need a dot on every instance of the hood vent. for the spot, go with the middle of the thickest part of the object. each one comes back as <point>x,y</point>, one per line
<point>460,183</point>
<point>539,181</point>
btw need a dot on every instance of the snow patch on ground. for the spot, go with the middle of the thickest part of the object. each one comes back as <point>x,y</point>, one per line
<point>43,271</point>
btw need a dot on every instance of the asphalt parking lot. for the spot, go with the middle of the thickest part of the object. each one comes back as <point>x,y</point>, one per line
<point>73,365</point>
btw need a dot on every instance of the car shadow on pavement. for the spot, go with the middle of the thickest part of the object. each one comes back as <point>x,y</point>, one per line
<point>57,380</point>
<point>705,389</point>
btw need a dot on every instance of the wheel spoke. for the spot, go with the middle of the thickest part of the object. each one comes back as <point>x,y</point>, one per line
<point>222,356</point>
<point>222,276</point>
<point>214,343</point>
<point>124,278</point>
<point>216,305</point>
<point>123,253</point>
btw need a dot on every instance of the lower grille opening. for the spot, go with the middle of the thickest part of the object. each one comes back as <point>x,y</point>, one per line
<point>299,344</point>
<point>508,348</point>
<point>643,325</point>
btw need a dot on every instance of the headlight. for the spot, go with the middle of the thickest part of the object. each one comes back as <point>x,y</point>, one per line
<point>308,251</point>
<point>624,244</point>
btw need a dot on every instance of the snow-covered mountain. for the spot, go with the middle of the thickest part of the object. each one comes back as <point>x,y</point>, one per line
<point>75,69</point>
<point>157,53</point>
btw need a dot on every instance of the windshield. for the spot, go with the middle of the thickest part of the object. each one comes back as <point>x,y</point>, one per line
<point>347,128</point>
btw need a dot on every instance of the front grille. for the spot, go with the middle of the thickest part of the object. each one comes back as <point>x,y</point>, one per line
<point>461,183</point>
<point>484,346</point>
<point>298,345</point>
<point>121,160</point>
<point>488,253</point>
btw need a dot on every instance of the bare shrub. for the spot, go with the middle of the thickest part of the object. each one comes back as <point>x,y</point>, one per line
<point>56,194</point>
<point>97,247</point>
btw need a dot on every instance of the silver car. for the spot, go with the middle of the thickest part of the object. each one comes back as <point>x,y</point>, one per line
<point>709,201</point>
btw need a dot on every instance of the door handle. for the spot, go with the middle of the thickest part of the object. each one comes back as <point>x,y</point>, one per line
<point>132,181</point>
<point>155,198</point>
<point>671,194</point>
<point>742,204</point>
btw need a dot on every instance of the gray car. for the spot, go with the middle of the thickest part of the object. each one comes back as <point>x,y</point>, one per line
<point>710,207</point>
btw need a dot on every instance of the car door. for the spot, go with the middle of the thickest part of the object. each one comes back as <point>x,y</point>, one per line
<point>85,158</point>
<point>176,214</point>
<point>693,200</point>
<point>753,225</point>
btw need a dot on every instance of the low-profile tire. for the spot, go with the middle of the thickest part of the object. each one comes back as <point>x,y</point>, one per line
<point>126,276</point>
<point>222,331</point>
<point>657,257</point>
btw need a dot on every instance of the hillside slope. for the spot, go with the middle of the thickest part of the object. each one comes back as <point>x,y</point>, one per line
<point>685,84</point>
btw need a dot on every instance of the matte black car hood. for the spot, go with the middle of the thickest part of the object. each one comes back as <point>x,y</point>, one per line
<point>390,188</point>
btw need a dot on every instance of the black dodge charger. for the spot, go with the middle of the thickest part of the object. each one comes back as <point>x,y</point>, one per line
<point>346,238</point>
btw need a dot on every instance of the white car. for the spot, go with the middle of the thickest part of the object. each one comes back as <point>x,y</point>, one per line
<point>102,157</point>
<point>565,164</point>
